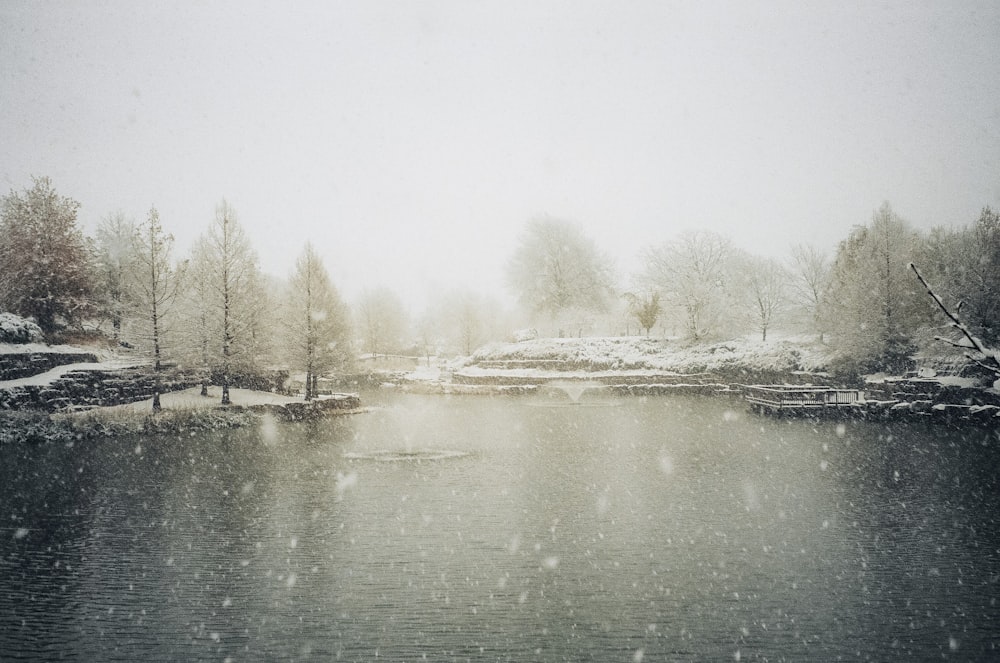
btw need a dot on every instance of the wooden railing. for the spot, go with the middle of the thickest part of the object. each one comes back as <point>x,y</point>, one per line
<point>790,397</point>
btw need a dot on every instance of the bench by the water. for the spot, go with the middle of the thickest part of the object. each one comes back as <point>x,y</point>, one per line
<point>794,399</point>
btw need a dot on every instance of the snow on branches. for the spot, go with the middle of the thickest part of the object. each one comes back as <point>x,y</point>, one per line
<point>988,358</point>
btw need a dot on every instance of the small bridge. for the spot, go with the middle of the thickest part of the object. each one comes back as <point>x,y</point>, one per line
<point>793,399</point>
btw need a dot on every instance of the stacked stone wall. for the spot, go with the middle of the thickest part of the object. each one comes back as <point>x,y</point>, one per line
<point>18,365</point>
<point>85,389</point>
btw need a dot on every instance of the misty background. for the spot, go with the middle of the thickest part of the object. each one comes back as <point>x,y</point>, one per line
<point>410,142</point>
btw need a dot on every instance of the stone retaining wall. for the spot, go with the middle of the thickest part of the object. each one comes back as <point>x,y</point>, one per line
<point>22,365</point>
<point>85,389</point>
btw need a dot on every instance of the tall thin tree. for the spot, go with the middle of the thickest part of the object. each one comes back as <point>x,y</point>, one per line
<point>236,296</point>
<point>155,286</point>
<point>316,326</point>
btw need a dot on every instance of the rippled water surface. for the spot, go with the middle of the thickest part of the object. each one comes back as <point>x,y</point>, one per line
<point>492,529</point>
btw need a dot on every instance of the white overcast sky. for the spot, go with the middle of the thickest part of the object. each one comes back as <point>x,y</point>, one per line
<point>410,141</point>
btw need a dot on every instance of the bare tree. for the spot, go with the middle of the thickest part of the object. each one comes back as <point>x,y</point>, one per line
<point>765,282</point>
<point>381,321</point>
<point>316,323</point>
<point>986,357</point>
<point>154,287</point>
<point>810,280</point>
<point>557,268</point>
<point>692,272</point>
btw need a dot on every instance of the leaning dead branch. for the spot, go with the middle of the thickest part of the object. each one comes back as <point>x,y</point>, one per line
<point>989,357</point>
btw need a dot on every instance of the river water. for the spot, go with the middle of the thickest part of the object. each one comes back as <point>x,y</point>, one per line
<point>472,528</point>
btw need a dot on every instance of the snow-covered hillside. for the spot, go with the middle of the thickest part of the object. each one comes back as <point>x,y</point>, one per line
<point>661,355</point>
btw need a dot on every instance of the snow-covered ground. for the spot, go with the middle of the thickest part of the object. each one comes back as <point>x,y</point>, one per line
<point>191,399</point>
<point>638,355</point>
<point>35,348</point>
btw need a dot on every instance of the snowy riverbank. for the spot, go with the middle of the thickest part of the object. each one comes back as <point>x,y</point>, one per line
<point>642,366</point>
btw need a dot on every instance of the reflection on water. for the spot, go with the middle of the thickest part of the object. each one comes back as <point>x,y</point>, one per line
<point>663,529</point>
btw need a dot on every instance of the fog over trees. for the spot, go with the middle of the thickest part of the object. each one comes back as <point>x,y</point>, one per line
<point>692,272</point>
<point>381,319</point>
<point>556,269</point>
<point>116,239</point>
<point>212,310</point>
<point>314,326</point>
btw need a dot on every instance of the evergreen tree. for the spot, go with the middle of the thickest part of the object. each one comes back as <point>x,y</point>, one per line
<point>45,262</point>
<point>645,308</point>
<point>875,305</point>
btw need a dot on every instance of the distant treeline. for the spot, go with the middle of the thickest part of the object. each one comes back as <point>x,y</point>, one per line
<point>214,309</point>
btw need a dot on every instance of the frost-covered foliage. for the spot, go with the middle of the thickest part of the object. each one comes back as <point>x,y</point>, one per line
<point>46,261</point>
<point>694,272</point>
<point>557,268</point>
<point>15,329</point>
<point>634,353</point>
<point>873,305</point>
<point>37,427</point>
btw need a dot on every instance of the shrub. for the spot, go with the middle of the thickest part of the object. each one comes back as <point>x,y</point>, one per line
<point>15,329</point>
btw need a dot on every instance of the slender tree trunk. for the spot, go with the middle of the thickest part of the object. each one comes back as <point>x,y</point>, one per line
<point>156,325</point>
<point>225,311</point>
<point>156,361</point>
<point>204,356</point>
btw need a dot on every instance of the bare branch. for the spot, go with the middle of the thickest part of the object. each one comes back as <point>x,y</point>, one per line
<point>992,363</point>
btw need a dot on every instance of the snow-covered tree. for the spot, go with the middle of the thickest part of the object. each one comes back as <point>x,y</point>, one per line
<point>116,242</point>
<point>964,265</point>
<point>977,351</point>
<point>45,261</point>
<point>154,285</point>
<point>874,305</point>
<point>196,328</point>
<point>380,320</point>
<point>316,326</point>
<point>692,272</point>
<point>556,268</point>
<point>236,301</point>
